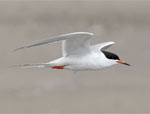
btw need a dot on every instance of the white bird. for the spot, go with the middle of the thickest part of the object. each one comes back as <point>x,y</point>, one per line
<point>78,54</point>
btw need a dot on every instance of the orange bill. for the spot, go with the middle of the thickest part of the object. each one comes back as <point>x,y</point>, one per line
<point>123,62</point>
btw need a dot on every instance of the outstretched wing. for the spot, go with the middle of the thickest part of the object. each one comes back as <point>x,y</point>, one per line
<point>77,43</point>
<point>102,46</point>
<point>73,43</point>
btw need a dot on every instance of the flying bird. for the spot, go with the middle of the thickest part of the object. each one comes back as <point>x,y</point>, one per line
<point>77,53</point>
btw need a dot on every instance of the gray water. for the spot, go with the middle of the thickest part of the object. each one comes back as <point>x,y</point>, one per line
<point>116,89</point>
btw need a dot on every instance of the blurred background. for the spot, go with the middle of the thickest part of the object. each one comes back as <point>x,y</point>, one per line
<point>116,89</point>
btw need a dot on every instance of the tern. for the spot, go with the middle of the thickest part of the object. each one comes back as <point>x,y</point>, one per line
<point>77,53</point>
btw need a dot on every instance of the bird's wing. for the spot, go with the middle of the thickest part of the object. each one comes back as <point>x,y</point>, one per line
<point>77,43</point>
<point>73,43</point>
<point>102,46</point>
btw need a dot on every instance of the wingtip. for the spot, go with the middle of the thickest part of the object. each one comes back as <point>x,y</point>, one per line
<point>112,42</point>
<point>17,49</point>
<point>89,33</point>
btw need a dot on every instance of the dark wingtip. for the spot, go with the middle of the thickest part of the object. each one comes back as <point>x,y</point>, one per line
<point>127,64</point>
<point>17,49</point>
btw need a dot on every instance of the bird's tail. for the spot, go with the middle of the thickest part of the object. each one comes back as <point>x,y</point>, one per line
<point>33,65</point>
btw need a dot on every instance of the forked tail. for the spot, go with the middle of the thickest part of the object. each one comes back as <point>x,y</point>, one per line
<point>33,65</point>
<point>38,65</point>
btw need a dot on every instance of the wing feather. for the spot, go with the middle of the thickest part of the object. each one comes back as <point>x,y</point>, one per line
<point>102,46</point>
<point>77,42</point>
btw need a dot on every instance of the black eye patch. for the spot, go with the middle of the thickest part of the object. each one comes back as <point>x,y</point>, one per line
<point>110,55</point>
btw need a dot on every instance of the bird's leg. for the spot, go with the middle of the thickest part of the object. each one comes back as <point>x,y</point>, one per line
<point>58,67</point>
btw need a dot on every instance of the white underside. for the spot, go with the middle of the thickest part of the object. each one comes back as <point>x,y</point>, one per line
<point>91,61</point>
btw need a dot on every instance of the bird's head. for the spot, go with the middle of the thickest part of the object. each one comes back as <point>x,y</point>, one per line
<point>114,59</point>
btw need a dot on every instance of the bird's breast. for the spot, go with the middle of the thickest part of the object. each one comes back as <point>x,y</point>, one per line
<point>85,62</point>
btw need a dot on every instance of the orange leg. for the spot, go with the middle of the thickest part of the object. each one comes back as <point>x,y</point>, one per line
<point>58,67</point>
